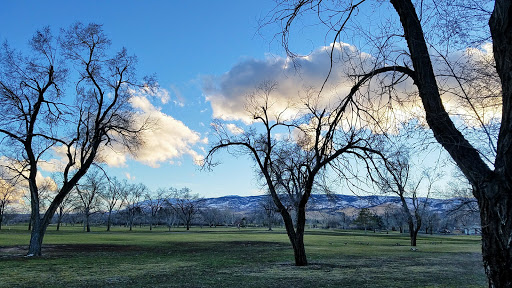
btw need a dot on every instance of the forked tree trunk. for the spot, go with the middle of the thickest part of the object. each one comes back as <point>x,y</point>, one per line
<point>496,219</point>
<point>296,235</point>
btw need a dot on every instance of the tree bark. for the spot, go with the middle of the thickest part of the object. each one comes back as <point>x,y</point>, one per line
<point>296,236</point>
<point>413,233</point>
<point>496,219</point>
<point>108,221</point>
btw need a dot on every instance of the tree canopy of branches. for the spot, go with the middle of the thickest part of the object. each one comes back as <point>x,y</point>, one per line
<point>292,165</point>
<point>414,36</point>
<point>66,99</point>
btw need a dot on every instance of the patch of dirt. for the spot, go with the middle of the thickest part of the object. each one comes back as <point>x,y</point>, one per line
<point>65,249</point>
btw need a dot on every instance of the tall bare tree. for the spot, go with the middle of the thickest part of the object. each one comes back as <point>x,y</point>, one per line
<point>41,120</point>
<point>292,166</point>
<point>490,177</point>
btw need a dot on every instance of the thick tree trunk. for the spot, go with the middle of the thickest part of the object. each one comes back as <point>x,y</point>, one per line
<point>36,238</point>
<point>108,220</point>
<point>296,235</point>
<point>496,219</point>
<point>493,189</point>
<point>413,233</point>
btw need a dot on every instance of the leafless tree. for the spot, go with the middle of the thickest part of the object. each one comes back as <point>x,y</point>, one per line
<point>114,197</point>
<point>133,199</point>
<point>185,204</point>
<point>65,208</point>
<point>40,119</point>
<point>9,193</point>
<point>155,202</point>
<point>395,174</point>
<point>425,30</point>
<point>89,199</point>
<point>213,216</point>
<point>270,210</point>
<point>291,166</point>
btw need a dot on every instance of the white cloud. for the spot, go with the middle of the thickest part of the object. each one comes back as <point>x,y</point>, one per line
<point>235,130</point>
<point>166,139</point>
<point>228,93</point>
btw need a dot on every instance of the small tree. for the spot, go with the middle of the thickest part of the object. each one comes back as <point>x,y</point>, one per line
<point>89,200</point>
<point>185,204</point>
<point>133,197</point>
<point>9,194</point>
<point>155,202</point>
<point>65,208</point>
<point>114,197</point>
<point>394,175</point>
<point>270,210</point>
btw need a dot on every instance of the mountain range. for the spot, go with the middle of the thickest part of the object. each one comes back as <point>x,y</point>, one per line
<point>328,203</point>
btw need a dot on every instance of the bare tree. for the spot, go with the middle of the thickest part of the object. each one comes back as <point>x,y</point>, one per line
<point>113,197</point>
<point>291,166</point>
<point>89,192</point>
<point>395,175</point>
<point>133,197</point>
<point>65,208</point>
<point>213,216</point>
<point>155,202</point>
<point>9,193</point>
<point>185,204</point>
<point>490,177</point>
<point>38,115</point>
<point>269,209</point>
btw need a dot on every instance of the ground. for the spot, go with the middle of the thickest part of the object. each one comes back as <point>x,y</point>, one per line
<point>228,257</point>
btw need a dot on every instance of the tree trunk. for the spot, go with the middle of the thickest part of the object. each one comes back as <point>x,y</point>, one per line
<point>108,221</point>
<point>496,219</point>
<point>413,233</point>
<point>36,238</point>
<point>296,236</point>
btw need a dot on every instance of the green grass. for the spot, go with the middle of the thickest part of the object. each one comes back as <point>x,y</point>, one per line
<point>228,257</point>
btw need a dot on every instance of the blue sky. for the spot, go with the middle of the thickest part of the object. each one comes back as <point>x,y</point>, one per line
<point>206,55</point>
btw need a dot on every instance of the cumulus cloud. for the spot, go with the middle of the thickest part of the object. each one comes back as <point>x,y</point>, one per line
<point>167,137</point>
<point>228,93</point>
<point>235,130</point>
<point>165,140</point>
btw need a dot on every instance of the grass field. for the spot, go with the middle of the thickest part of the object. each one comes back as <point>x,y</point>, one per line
<point>228,257</point>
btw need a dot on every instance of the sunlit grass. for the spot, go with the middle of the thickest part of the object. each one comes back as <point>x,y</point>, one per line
<point>228,257</point>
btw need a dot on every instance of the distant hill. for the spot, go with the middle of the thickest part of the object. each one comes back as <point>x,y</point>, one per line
<point>325,203</point>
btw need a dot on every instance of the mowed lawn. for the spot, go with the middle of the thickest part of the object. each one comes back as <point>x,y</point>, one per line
<point>228,257</point>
